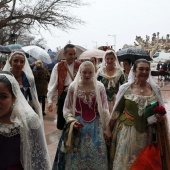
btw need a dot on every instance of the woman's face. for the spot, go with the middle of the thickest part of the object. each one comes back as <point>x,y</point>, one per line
<point>126,66</point>
<point>110,59</point>
<point>142,71</point>
<point>6,102</point>
<point>17,62</point>
<point>87,73</point>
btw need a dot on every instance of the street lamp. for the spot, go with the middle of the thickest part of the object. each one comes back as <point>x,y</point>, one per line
<point>114,41</point>
<point>96,43</point>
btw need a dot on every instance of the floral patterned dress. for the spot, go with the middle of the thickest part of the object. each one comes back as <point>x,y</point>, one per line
<point>111,84</point>
<point>91,151</point>
<point>130,133</point>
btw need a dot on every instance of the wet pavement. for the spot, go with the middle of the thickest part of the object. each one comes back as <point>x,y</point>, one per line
<point>53,135</point>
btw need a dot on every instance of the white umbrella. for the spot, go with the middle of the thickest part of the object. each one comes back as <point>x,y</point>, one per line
<point>60,55</point>
<point>92,53</point>
<point>38,53</point>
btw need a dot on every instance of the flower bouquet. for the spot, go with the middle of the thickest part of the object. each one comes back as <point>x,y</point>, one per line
<point>160,110</point>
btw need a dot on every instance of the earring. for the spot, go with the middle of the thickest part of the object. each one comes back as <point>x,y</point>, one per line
<point>136,81</point>
<point>12,107</point>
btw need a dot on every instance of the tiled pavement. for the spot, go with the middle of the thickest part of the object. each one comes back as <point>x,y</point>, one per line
<point>53,135</point>
<point>51,132</point>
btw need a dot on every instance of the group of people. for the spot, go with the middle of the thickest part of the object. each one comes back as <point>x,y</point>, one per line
<point>164,70</point>
<point>104,118</point>
<point>101,111</point>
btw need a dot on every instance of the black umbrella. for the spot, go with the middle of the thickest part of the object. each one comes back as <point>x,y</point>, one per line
<point>4,49</point>
<point>133,54</point>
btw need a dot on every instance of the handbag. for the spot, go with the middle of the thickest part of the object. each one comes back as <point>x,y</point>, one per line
<point>148,159</point>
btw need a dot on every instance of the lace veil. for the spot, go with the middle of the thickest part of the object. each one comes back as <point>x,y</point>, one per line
<point>131,78</point>
<point>28,72</point>
<point>101,98</point>
<point>102,70</point>
<point>103,65</point>
<point>33,148</point>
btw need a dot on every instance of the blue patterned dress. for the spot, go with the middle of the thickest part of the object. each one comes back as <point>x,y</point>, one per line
<point>91,151</point>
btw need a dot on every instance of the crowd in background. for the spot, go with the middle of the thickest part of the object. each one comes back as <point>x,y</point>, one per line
<point>105,111</point>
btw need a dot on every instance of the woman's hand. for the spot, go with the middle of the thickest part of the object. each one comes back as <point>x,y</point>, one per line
<point>156,118</point>
<point>78,125</point>
<point>108,135</point>
<point>159,117</point>
<point>50,107</point>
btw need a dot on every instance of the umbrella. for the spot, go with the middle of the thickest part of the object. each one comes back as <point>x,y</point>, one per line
<point>52,54</point>
<point>92,53</point>
<point>37,53</point>
<point>60,55</point>
<point>51,65</point>
<point>14,46</point>
<point>133,54</point>
<point>4,49</point>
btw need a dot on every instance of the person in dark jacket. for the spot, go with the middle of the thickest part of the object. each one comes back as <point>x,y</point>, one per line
<point>41,76</point>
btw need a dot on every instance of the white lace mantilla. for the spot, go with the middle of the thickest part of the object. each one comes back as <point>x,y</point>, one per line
<point>86,97</point>
<point>9,130</point>
<point>142,101</point>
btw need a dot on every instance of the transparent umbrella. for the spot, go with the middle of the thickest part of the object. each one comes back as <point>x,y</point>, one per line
<point>38,53</point>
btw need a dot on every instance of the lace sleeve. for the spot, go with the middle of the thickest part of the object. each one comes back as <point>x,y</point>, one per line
<point>68,105</point>
<point>39,154</point>
<point>105,115</point>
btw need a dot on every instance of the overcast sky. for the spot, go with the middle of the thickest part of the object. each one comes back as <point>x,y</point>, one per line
<point>122,19</point>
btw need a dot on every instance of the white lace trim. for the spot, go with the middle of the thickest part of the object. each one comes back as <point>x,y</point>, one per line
<point>112,79</point>
<point>142,101</point>
<point>9,130</point>
<point>86,97</point>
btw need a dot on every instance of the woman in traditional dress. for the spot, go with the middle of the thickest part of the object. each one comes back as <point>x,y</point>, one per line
<point>131,132</point>
<point>111,75</point>
<point>18,65</point>
<point>22,140</point>
<point>87,116</point>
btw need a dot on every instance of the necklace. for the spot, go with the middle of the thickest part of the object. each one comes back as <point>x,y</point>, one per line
<point>140,89</point>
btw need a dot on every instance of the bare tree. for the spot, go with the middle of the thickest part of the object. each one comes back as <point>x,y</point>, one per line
<point>19,15</point>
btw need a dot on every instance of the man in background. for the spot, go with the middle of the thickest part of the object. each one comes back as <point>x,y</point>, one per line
<point>62,75</point>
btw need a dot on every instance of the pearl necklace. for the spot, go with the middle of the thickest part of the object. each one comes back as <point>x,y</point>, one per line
<point>141,90</point>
